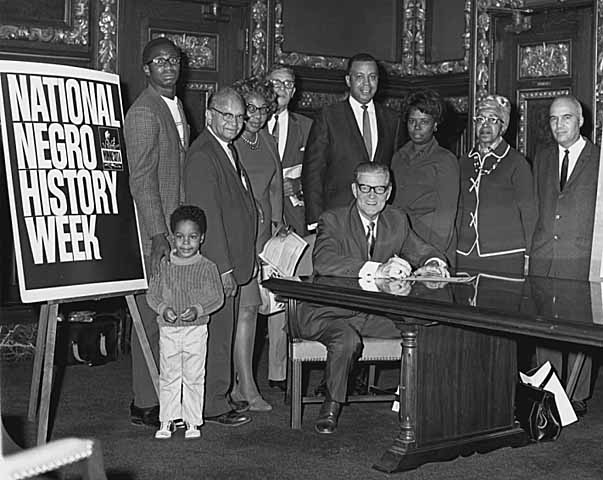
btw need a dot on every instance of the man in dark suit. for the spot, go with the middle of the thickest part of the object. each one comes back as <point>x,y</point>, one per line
<point>344,135</point>
<point>215,181</point>
<point>290,131</point>
<point>157,136</point>
<point>364,239</point>
<point>565,177</point>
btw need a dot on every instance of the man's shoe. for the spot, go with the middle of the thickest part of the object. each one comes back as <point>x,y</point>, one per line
<point>280,384</point>
<point>229,419</point>
<point>326,423</point>
<point>579,407</point>
<point>239,406</point>
<point>148,417</point>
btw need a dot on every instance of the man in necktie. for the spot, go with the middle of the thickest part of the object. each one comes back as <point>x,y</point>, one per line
<point>344,135</point>
<point>214,180</point>
<point>565,177</point>
<point>345,237</point>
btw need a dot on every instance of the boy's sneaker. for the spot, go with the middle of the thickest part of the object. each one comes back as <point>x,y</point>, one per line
<point>192,431</point>
<point>165,430</point>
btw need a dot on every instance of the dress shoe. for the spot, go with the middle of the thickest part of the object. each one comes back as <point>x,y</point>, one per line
<point>280,384</point>
<point>148,417</point>
<point>579,407</point>
<point>239,406</point>
<point>229,419</point>
<point>326,422</point>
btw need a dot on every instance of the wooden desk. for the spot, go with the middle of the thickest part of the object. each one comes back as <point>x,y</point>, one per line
<point>458,368</point>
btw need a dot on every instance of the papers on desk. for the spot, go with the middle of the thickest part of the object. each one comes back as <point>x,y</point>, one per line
<point>433,278</point>
<point>553,385</point>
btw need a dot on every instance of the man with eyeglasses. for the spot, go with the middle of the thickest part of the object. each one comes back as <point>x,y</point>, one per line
<point>215,181</point>
<point>565,177</point>
<point>366,239</point>
<point>157,137</point>
<point>344,135</point>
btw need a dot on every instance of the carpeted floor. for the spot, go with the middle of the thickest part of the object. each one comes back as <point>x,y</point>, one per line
<point>94,402</point>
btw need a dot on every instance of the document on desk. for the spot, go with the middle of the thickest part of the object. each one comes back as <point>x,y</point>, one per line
<point>433,278</point>
<point>282,252</point>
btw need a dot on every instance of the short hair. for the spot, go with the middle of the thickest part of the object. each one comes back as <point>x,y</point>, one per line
<point>571,99</point>
<point>426,101</point>
<point>222,95</point>
<point>191,213</point>
<point>372,167</point>
<point>256,86</point>
<point>361,57</point>
<point>279,67</point>
<point>149,48</point>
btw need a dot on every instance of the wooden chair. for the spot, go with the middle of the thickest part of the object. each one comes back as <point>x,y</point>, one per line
<point>52,456</point>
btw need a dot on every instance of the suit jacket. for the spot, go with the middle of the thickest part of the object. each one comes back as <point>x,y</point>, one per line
<point>564,231</point>
<point>212,183</point>
<point>341,250</point>
<point>335,147</point>
<point>297,137</point>
<point>155,158</point>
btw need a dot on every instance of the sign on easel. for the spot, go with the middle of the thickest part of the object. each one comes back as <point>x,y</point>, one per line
<point>596,259</point>
<point>74,223</point>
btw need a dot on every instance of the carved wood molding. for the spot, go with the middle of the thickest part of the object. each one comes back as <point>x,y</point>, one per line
<point>108,21</point>
<point>599,86</point>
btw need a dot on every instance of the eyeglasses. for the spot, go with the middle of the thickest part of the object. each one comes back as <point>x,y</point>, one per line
<point>251,108</point>
<point>230,117</point>
<point>162,61</point>
<point>488,120</point>
<point>378,189</point>
<point>287,84</point>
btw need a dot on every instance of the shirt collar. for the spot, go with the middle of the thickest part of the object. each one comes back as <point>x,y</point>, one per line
<point>365,221</point>
<point>184,261</point>
<point>575,149</point>
<point>356,105</point>
<point>222,143</point>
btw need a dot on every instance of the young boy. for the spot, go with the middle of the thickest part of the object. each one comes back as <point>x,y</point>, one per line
<point>186,291</point>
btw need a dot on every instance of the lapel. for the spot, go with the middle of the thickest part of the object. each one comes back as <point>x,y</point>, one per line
<point>583,159</point>
<point>381,127</point>
<point>270,141</point>
<point>224,163</point>
<point>357,232</point>
<point>292,143</point>
<point>352,127</point>
<point>186,126</point>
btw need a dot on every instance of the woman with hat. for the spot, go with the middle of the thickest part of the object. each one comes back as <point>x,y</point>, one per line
<point>497,206</point>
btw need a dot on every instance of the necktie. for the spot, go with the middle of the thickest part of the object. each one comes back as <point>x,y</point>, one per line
<point>564,168</point>
<point>275,129</point>
<point>235,157</point>
<point>366,131</point>
<point>370,239</point>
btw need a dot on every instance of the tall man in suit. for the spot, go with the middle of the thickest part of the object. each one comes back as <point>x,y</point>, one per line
<point>565,177</point>
<point>344,135</point>
<point>363,239</point>
<point>157,136</point>
<point>290,131</point>
<point>215,181</point>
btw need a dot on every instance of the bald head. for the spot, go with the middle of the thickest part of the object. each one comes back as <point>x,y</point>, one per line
<point>565,120</point>
<point>225,114</point>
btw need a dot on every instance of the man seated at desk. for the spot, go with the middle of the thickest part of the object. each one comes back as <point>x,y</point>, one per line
<point>366,238</point>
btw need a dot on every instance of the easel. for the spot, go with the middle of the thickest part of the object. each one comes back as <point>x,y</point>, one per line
<point>39,399</point>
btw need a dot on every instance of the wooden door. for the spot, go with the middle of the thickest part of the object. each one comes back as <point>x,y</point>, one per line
<point>213,47</point>
<point>555,57</point>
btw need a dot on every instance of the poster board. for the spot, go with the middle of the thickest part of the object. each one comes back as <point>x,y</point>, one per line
<point>596,258</point>
<point>74,223</point>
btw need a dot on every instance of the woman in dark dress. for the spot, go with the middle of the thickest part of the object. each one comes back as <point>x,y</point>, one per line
<point>426,176</point>
<point>259,156</point>
<point>497,206</point>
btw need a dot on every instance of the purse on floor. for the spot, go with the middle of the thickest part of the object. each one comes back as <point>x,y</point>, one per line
<point>536,410</point>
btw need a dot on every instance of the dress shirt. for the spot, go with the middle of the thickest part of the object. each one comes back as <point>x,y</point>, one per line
<point>172,104</point>
<point>358,112</point>
<point>574,152</point>
<point>283,130</point>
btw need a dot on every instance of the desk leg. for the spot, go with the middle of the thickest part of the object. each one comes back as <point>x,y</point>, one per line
<point>47,373</point>
<point>36,375</point>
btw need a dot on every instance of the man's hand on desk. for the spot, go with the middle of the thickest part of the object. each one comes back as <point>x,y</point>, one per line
<point>393,286</point>
<point>395,267</point>
<point>433,268</point>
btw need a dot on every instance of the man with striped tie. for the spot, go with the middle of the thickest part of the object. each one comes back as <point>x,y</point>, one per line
<point>365,239</point>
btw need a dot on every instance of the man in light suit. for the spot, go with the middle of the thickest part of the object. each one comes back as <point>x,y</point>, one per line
<point>157,136</point>
<point>344,135</point>
<point>566,177</point>
<point>215,181</point>
<point>363,239</point>
<point>290,131</point>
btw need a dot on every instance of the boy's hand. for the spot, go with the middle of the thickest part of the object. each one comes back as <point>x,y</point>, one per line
<point>189,315</point>
<point>169,315</point>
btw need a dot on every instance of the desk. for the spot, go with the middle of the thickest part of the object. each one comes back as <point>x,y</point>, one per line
<point>458,368</point>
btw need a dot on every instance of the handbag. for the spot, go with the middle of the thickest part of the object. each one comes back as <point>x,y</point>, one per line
<point>536,410</point>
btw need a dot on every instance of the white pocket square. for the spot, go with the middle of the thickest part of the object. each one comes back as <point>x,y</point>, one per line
<point>302,149</point>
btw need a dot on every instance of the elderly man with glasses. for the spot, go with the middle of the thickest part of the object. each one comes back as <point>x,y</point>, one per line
<point>366,239</point>
<point>215,181</point>
<point>497,206</point>
<point>157,137</point>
